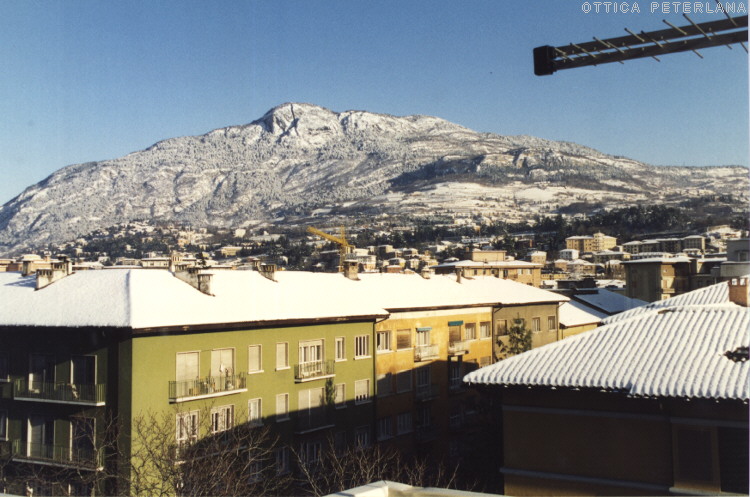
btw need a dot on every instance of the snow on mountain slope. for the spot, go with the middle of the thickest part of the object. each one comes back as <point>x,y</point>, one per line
<point>301,157</point>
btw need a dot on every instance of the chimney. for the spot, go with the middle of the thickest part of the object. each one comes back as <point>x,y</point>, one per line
<point>26,268</point>
<point>194,277</point>
<point>351,269</point>
<point>738,291</point>
<point>425,273</point>
<point>268,271</point>
<point>59,270</point>
<point>459,272</point>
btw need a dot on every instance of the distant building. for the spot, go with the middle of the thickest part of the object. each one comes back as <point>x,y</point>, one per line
<point>657,278</point>
<point>520,271</point>
<point>594,243</point>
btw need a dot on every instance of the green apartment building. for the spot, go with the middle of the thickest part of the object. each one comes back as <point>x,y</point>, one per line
<point>95,346</point>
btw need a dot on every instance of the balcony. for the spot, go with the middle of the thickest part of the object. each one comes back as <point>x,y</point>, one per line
<point>426,392</point>
<point>425,352</point>
<point>211,386</point>
<point>315,419</point>
<point>60,392</point>
<point>459,347</point>
<point>61,455</point>
<point>315,370</point>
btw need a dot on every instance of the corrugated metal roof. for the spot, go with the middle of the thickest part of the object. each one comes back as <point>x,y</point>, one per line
<point>678,352</point>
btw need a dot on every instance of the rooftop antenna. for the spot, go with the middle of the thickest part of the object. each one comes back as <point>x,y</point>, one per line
<point>548,59</point>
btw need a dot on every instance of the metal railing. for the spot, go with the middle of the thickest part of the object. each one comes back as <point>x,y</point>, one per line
<point>317,419</point>
<point>426,392</point>
<point>458,347</point>
<point>309,370</point>
<point>60,454</point>
<point>59,391</point>
<point>207,386</point>
<point>425,352</point>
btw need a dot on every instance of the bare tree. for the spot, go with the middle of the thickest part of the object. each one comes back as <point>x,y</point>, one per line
<point>334,469</point>
<point>169,457</point>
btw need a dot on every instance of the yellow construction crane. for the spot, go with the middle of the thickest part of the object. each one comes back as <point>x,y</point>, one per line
<point>344,246</point>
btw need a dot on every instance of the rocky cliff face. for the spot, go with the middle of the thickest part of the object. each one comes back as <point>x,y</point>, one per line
<point>300,157</point>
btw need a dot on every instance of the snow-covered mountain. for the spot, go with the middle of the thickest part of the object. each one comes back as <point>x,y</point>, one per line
<point>301,159</point>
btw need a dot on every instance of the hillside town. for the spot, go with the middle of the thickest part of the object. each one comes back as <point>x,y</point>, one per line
<point>458,356</point>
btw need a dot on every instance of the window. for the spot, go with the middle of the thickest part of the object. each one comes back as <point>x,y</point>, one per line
<point>470,330</point>
<point>4,372</point>
<point>187,427</point>
<point>339,395</point>
<point>454,334</point>
<point>311,452</point>
<point>282,460</point>
<point>383,341</point>
<point>385,384</point>
<point>403,381</point>
<point>485,361</point>
<point>222,362</point>
<point>361,391</point>
<point>403,339</point>
<point>41,436</point>
<point>282,355</point>
<point>41,370</point>
<point>282,406</point>
<point>423,337</point>
<point>82,432</point>
<point>424,417</point>
<point>222,418</point>
<point>403,423</point>
<point>340,349</point>
<point>536,325</point>
<point>83,370</point>
<point>423,376</point>
<point>187,366</point>
<point>551,323</point>
<point>502,327</point>
<point>311,351</point>
<point>254,360</point>
<point>485,330</point>
<point>361,346</point>
<point>255,412</point>
<point>454,375</point>
<point>385,428</point>
<point>362,436</point>
<point>339,443</point>
<point>3,425</point>
<point>254,470</point>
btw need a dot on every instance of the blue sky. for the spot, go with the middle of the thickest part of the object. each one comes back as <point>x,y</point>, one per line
<point>87,80</point>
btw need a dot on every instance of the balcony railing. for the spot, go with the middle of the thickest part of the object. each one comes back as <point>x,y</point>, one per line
<point>312,370</point>
<point>207,387</point>
<point>57,454</point>
<point>425,352</point>
<point>426,392</point>
<point>458,347</point>
<point>60,392</point>
<point>317,419</point>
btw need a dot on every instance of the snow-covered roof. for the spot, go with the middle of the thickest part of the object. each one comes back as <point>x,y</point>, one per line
<point>577,314</point>
<point>659,354</point>
<point>663,260</point>
<point>609,302</point>
<point>142,298</point>
<point>489,264</point>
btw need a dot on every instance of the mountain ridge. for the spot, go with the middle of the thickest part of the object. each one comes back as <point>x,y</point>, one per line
<point>300,158</point>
